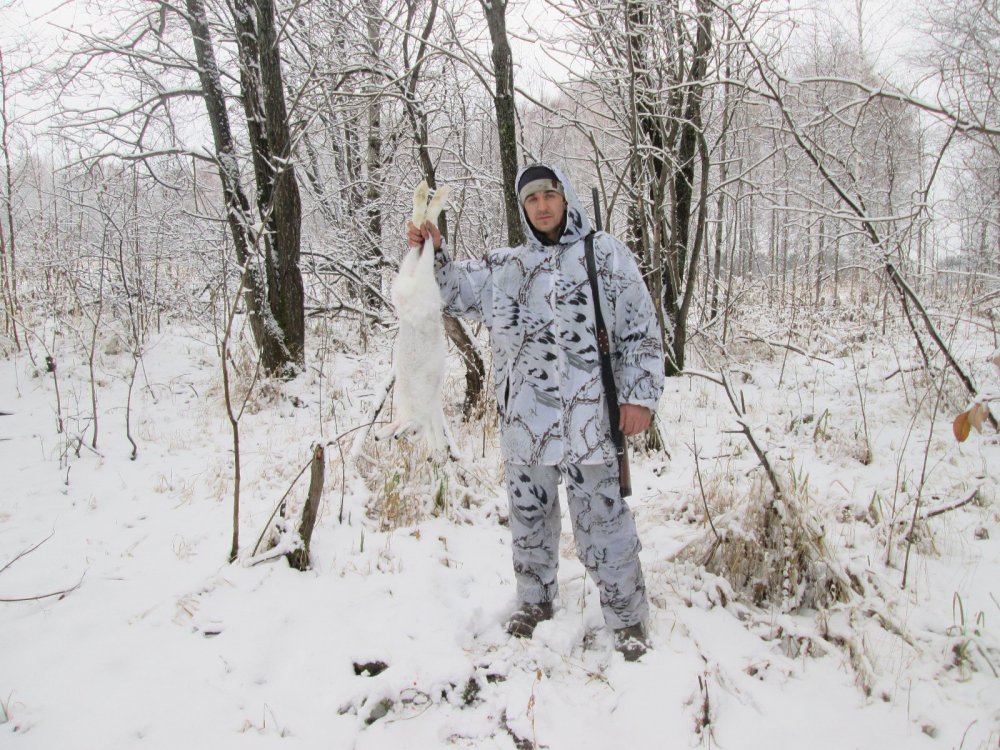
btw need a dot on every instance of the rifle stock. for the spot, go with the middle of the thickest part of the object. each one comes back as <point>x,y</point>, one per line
<point>624,473</point>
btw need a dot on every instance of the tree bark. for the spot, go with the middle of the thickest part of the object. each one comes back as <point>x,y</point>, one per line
<point>237,205</point>
<point>677,130</point>
<point>8,243</point>
<point>503,100</point>
<point>649,171</point>
<point>374,262</point>
<point>278,196</point>
<point>299,559</point>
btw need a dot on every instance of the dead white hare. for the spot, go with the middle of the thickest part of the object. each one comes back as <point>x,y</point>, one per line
<point>419,352</point>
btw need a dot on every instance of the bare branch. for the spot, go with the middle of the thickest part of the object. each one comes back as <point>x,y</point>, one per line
<point>27,552</point>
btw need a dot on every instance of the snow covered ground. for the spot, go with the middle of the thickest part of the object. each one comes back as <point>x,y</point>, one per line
<point>394,638</point>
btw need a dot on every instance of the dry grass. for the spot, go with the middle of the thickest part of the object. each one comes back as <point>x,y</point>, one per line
<point>406,483</point>
<point>771,550</point>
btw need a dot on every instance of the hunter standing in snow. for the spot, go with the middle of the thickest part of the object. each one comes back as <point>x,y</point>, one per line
<point>535,300</point>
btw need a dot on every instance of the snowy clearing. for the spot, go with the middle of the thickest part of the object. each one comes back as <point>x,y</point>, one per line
<point>394,638</point>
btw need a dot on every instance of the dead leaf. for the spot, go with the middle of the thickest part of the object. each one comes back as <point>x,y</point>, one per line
<point>961,427</point>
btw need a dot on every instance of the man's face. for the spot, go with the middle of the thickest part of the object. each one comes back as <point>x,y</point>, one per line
<point>545,211</point>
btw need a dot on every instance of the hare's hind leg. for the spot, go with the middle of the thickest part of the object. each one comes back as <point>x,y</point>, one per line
<point>437,202</point>
<point>420,203</point>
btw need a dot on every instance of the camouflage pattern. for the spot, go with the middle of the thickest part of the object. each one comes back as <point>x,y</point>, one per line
<point>535,300</point>
<point>603,527</point>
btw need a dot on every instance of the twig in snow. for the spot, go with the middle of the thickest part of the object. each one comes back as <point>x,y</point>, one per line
<point>334,441</point>
<point>704,500</point>
<point>953,506</point>
<point>905,370</point>
<point>278,507</point>
<point>739,407</point>
<point>384,389</point>
<point>27,551</point>
<point>784,345</point>
<point>44,596</point>
<point>923,480</point>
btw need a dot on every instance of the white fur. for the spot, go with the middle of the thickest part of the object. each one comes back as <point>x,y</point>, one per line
<point>419,353</point>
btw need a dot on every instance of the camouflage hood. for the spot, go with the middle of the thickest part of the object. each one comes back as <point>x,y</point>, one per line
<point>577,224</point>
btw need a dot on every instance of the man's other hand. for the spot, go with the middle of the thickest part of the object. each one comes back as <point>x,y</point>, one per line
<point>633,419</point>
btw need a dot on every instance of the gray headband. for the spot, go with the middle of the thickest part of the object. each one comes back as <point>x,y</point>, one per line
<point>541,185</point>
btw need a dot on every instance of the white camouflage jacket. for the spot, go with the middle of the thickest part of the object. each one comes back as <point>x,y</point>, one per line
<point>536,302</point>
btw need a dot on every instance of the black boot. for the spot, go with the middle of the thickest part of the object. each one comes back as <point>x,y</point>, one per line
<point>522,623</point>
<point>631,642</point>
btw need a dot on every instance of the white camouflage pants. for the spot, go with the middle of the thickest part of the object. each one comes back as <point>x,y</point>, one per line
<point>606,539</point>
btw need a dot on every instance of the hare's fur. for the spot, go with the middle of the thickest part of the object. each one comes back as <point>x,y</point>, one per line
<point>419,353</point>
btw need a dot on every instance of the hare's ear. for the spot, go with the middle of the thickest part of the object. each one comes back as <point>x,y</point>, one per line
<point>437,202</point>
<point>420,203</point>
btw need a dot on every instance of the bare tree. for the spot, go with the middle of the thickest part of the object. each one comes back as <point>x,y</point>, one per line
<point>651,69</point>
<point>960,60</point>
<point>495,12</point>
<point>276,301</point>
<point>163,57</point>
<point>280,209</point>
<point>8,231</point>
<point>869,207</point>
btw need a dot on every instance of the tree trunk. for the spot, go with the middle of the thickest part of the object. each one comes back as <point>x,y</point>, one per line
<point>314,174</point>
<point>648,171</point>
<point>820,250</point>
<point>689,149</point>
<point>503,100</point>
<point>278,197</point>
<point>716,269</point>
<point>8,243</point>
<point>299,558</point>
<point>374,262</point>
<point>668,151</point>
<point>475,370</point>
<point>237,206</point>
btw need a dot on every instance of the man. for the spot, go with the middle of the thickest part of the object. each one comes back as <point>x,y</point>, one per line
<point>536,302</point>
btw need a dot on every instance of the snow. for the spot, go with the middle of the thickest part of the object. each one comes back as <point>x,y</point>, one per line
<point>164,643</point>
